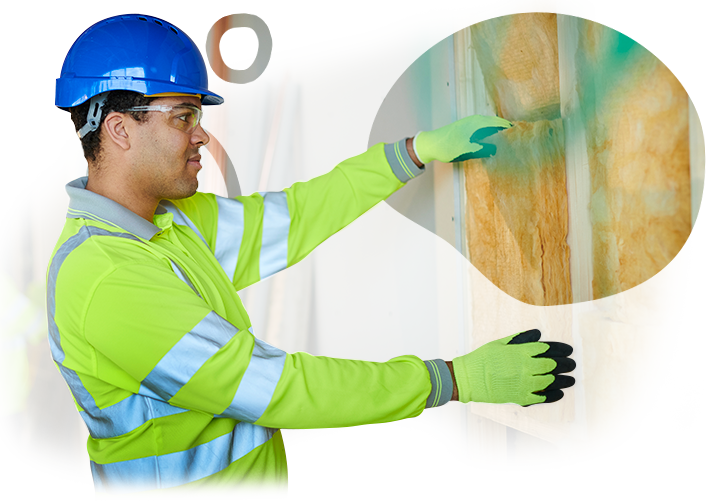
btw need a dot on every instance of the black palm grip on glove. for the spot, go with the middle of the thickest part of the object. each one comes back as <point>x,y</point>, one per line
<point>559,352</point>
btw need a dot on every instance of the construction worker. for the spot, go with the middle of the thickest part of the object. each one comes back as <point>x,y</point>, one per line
<point>22,321</point>
<point>145,323</point>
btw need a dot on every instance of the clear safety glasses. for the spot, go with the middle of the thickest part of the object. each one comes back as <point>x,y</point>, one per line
<point>181,116</point>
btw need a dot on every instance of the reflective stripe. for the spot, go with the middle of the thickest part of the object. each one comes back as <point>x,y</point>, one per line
<point>119,418</point>
<point>180,218</point>
<point>14,343</point>
<point>171,470</point>
<point>231,222</point>
<point>67,247</point>
<point>183,276</point>
<point>275,234</point>
<point>258,384</point>
<point>14,310</point>
<point>127,414</point>
<point>188,355</point>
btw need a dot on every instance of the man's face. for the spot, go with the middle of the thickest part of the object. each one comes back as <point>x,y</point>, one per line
<point>166,157</point>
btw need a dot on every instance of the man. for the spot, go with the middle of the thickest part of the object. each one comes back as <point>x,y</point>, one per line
<point>145,323</point>
<point>21,321</point>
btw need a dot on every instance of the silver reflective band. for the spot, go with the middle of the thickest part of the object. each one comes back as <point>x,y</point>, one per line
<point>95,111</point>
<point>69,246</point>
<point>275,234</point>
<point>177,468</point>
<point>187,356</point>
<point>258,384</point>
<point>182,275</point>
<point>117,419</point>
<point>180,218</point>
<point>229,236</point>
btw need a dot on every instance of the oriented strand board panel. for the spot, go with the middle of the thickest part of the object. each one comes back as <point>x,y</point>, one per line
<point>636,119</point>
<point>516,47</point>
<point>640,400</point>
<point>516,213</point>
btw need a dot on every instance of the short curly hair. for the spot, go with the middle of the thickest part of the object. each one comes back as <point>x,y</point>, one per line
<point>117,100</point>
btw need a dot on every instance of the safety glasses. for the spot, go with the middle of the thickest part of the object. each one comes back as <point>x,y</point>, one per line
<point>181,116</point>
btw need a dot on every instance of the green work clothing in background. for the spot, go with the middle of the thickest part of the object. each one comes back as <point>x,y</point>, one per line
<point>147,329</point>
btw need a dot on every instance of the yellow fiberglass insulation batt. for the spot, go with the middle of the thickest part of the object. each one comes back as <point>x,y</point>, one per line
<point>516,47</point>
<point>640,400</point>
<point>636,108</point>
<point>517,224</point>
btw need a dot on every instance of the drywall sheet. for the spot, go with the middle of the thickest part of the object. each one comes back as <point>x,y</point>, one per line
<point>518,56</point>
<point>640,400</point>
<point>517,224</point>
<point>635,114</point>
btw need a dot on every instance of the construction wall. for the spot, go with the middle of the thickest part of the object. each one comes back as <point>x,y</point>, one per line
<point>640,392</point>
<point>631,79</point>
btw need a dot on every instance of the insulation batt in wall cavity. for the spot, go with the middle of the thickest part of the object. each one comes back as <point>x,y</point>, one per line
<point>640,400</point>
<point>516,227</point>
<point>636,114</point>
<point>516,46</point>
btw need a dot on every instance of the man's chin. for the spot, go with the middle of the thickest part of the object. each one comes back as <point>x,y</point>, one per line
<point>183,192</point>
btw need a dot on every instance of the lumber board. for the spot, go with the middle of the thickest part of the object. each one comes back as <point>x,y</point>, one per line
<point>696,61</point>
<point>611,484</point>
<point>578,188</point>
<point>509,416</point>
<point>487,440</point>
<point>489,446</point>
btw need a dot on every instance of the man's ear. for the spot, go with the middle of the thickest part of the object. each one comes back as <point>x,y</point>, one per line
<point>116,131</point>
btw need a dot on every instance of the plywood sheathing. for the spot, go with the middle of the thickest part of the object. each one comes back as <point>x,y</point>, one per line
<point>532,454</point>
<point>636,118</point>
<point>640,400</point>
<point>517,224</point>
<point>516,47</point>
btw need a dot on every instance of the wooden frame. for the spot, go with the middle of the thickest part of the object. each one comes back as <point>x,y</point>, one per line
<point>578,185</point>
<point>487,424</point>
<point>487,439</point>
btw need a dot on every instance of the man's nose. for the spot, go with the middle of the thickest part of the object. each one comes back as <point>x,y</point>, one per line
<point>200,136</point>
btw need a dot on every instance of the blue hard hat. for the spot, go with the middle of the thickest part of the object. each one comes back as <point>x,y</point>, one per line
<point>132,52</point>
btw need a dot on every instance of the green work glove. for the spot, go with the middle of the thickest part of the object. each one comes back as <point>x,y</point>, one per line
<point>459,140</point>
<point>515,369</point>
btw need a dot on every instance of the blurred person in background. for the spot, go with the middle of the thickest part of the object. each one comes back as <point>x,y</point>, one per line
<point>22,321</point>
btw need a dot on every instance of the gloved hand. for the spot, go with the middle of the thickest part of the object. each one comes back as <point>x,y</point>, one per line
<point>459,140</point>
<point>515,369</point>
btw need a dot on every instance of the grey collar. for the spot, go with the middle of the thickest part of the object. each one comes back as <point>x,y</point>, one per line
<point>88,205</point>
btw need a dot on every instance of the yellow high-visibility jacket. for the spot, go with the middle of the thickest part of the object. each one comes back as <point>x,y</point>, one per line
<point>147,329</point>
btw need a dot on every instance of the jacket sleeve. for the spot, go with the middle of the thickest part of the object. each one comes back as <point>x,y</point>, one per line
<point>254,237</point>
<point>153,336</point>
<point>22,321</point>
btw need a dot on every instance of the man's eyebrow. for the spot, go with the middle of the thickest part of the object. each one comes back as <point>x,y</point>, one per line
<point>186,103</point>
